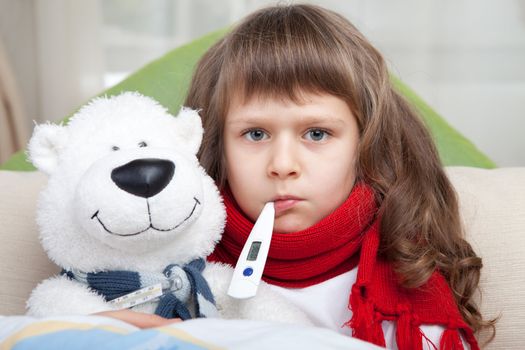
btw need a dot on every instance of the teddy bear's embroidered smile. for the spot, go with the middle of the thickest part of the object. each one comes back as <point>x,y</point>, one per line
<point>95,216</point>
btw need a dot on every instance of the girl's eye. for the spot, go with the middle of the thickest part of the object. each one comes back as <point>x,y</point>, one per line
<point>143,144</point>
<point>115,148</point>
<point>316,135</point>
<point>255,135</point>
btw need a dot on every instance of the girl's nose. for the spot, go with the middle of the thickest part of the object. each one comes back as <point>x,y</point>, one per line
<point>284,161</point>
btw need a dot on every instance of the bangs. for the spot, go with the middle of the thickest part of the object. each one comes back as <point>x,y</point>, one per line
<point>283,54</point>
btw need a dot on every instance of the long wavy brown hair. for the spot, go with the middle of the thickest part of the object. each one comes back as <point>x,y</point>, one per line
<point>282,51</point>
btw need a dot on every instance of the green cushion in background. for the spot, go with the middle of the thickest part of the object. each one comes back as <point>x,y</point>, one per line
<point>454,148</point>
<point>167,78</point>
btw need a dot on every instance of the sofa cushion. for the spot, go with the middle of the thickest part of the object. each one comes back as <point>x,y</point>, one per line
<point>23,261</point>
<point>492,205</point>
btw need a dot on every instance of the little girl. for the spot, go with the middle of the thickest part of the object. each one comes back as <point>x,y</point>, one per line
<point>298,109</point>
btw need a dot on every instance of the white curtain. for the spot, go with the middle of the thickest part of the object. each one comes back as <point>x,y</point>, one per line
<point>13,127</point>
<point>69,55</point>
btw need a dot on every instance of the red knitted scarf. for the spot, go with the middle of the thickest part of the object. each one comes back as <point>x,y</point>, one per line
<point>344,239</point>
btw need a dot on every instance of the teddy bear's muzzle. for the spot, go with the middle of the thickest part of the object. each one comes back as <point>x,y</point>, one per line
<point>144,177</point>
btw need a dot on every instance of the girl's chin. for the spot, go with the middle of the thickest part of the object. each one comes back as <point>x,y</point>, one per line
<point>290,223</point>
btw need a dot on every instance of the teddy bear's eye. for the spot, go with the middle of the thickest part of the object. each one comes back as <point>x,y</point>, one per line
<point>115,148</point>
<point>143,144</point>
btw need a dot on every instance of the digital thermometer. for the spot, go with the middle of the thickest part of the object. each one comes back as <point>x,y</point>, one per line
<point>249,268</point>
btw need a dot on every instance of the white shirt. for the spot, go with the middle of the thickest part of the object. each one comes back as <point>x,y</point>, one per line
<point>326,304</point>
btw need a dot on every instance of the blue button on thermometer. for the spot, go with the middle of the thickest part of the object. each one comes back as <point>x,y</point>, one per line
<point>249,268</point>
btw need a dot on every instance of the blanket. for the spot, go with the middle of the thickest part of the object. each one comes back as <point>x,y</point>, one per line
<point>96,332</point>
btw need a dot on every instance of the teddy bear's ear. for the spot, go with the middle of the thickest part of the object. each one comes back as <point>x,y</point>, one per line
<point>189,128</point>
<point>45,145</point>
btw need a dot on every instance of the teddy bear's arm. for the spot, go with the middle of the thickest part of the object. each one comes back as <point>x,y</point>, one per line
<point>62,296</point>
<point>266,306</point>
<point>218,277</point>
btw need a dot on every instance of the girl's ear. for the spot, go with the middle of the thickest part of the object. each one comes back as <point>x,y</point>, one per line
<point>189,128</point>
<point>45,145</point>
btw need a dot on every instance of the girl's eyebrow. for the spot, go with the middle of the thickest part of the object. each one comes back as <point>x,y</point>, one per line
<point>322,120</point>
<point>245,120</point>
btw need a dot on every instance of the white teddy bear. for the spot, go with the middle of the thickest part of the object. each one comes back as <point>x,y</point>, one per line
<point>128,207</point>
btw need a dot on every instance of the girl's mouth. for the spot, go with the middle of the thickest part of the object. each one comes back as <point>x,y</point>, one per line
<point>284,204</point>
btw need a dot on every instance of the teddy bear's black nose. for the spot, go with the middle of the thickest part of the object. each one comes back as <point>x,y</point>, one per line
<point>144,177</point>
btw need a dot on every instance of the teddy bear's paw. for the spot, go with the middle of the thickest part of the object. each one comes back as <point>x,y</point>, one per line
<point>219,277</point>
<point>269,305</point>
<point>275,309</point>
<point>61,296</point>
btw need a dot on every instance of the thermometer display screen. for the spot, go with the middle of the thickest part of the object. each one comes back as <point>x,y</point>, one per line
<point>254,250</point>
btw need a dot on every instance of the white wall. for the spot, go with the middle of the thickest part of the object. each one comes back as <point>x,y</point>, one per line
<point>464,57</point>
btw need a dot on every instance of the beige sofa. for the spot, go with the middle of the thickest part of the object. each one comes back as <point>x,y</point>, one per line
<point>493,209</point>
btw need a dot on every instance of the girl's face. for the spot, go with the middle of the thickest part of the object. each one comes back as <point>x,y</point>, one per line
<point>300,156</point>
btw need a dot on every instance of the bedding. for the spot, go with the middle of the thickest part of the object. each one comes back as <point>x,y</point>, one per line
<point>96,332</point>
